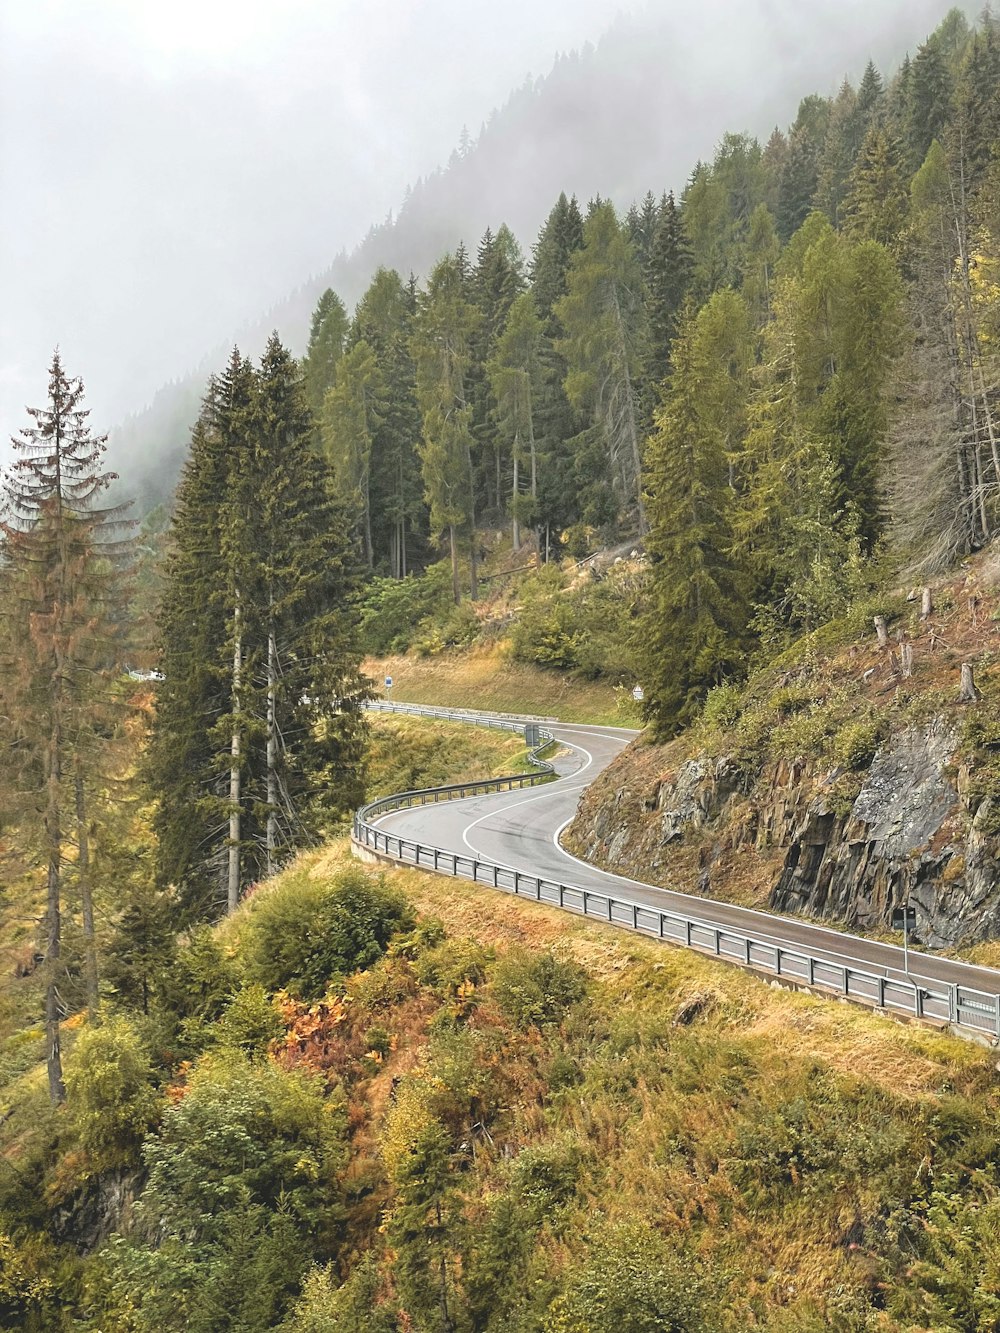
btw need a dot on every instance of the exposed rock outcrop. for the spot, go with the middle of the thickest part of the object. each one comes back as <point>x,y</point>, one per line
<point>855,845</point>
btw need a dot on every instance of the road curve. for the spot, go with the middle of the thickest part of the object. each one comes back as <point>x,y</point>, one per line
<point>521,831</point>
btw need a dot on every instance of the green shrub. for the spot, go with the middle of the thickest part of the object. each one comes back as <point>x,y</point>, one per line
<point>633,1282</point>
<point>536,988</point>
<point>393,608</point>
<point>854,746</point>
<point>244,1134</point>
<point>723,706</point>
<point>109,1087</point>
<point>303,933</point>
<point>250,1022</point>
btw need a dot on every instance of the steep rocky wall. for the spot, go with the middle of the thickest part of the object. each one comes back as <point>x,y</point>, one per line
<point>809,839</point>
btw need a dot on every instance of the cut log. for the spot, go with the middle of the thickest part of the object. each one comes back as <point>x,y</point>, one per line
<point>968,694</point>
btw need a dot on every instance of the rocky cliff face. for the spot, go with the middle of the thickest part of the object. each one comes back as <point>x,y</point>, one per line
<point>810,839</point>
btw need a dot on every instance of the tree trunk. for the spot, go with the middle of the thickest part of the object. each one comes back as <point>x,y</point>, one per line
<point>516,533</point>
<point>473,565</point>
<point>86,892</point>
<point>455,586</point>
<point>968,694</point>
<point>270,836</point>
<point>53,922</point>
<point>233,881</point>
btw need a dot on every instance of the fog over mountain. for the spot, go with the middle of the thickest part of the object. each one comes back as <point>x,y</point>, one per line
<point>178,178</point>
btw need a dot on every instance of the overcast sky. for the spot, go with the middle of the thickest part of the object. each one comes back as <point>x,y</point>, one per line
<point>169,168</point>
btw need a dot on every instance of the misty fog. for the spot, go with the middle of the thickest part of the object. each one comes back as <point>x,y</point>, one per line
<point>169,173</point>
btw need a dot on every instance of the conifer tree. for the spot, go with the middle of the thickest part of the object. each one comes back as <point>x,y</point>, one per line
<point>515,374</point>
<point>875,207</point>
<point>497,280</point>
<point>257,734</point>
<point>604,320</point>
<point>60,648</point>
<point>352,414</point>
<point>692,635</point>
<point>928,102</point>
<point>442,348</point>
<point>560,238</point>
<point>668,282</point>
<point>327,335</point>
<point>384,319</point>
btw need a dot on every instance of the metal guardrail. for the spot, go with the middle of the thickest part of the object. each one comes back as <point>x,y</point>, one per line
<point>945,1002</point>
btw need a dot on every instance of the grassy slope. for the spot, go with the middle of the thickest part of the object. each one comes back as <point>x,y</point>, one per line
<point>409,752</point>
<point>697,1127</point>
<point>486,678</point>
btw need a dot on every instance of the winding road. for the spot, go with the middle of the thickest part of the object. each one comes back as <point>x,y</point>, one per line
<point>517,833</point>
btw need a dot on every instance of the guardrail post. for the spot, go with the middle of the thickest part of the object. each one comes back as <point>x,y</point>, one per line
<point>435,858</point>
<point>610,905</point>
<point>952,1004</point>
<point>847,981</point>
<point>687,933</point>
<point>660,915</point>
<point>777,960</point>
<point>746,949</point>
<point>812,970</point>
<point>635,917</point>
<point>881,992</point>
<point>561,893</point>
<point>918,1000</point>
<point>996,1026</point>
<point>496,877</point>
<point>718,941</point>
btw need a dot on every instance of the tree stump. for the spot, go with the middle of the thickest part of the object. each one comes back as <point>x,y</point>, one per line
<point>882,632</point>
<point>968,694</point>
<point>906,659</point>
<point>926,604</point>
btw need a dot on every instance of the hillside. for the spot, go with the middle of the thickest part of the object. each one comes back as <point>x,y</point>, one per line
<point>836,783</point>
<point>616,119</point>
<point>537,1121</point>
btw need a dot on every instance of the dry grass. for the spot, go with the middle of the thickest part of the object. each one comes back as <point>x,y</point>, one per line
<point>486,678</point>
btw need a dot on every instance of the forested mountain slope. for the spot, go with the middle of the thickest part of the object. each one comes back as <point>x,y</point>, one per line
<point>621,118</point>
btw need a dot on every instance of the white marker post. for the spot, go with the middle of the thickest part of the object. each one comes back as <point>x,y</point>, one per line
<point>388,684</point>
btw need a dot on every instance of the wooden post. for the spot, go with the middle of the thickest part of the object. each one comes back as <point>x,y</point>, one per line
<point>926,604</point>
<point>880,630</point>
<point>968,694</point>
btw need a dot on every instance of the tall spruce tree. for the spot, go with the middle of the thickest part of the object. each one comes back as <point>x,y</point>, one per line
<point>442,346</point>
<point>603,316</point>
<point>327,335</point>
<point>668,282</point>
<point>692,635</point>
<point>61,645</point>
<point>257,737</point>
<point>384,319</point>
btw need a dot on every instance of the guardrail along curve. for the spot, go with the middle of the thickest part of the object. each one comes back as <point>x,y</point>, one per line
<point>964,1008</point>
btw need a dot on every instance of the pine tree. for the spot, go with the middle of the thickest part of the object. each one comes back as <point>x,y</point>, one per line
<point>929,100</point>
<point>327,335</point>
<point>692,635</point>
<point>257,733</point>
<point>668,282</point>
<point>60,649</point>
<point>604,321</point>
<point>555,421</point>
<point>876,202</point>
<point>353,411</point>
<point>497,280</point>
<point>843,142</point>
<point>515,375</point>
<point>384,319</point>
<point>442,349</point>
